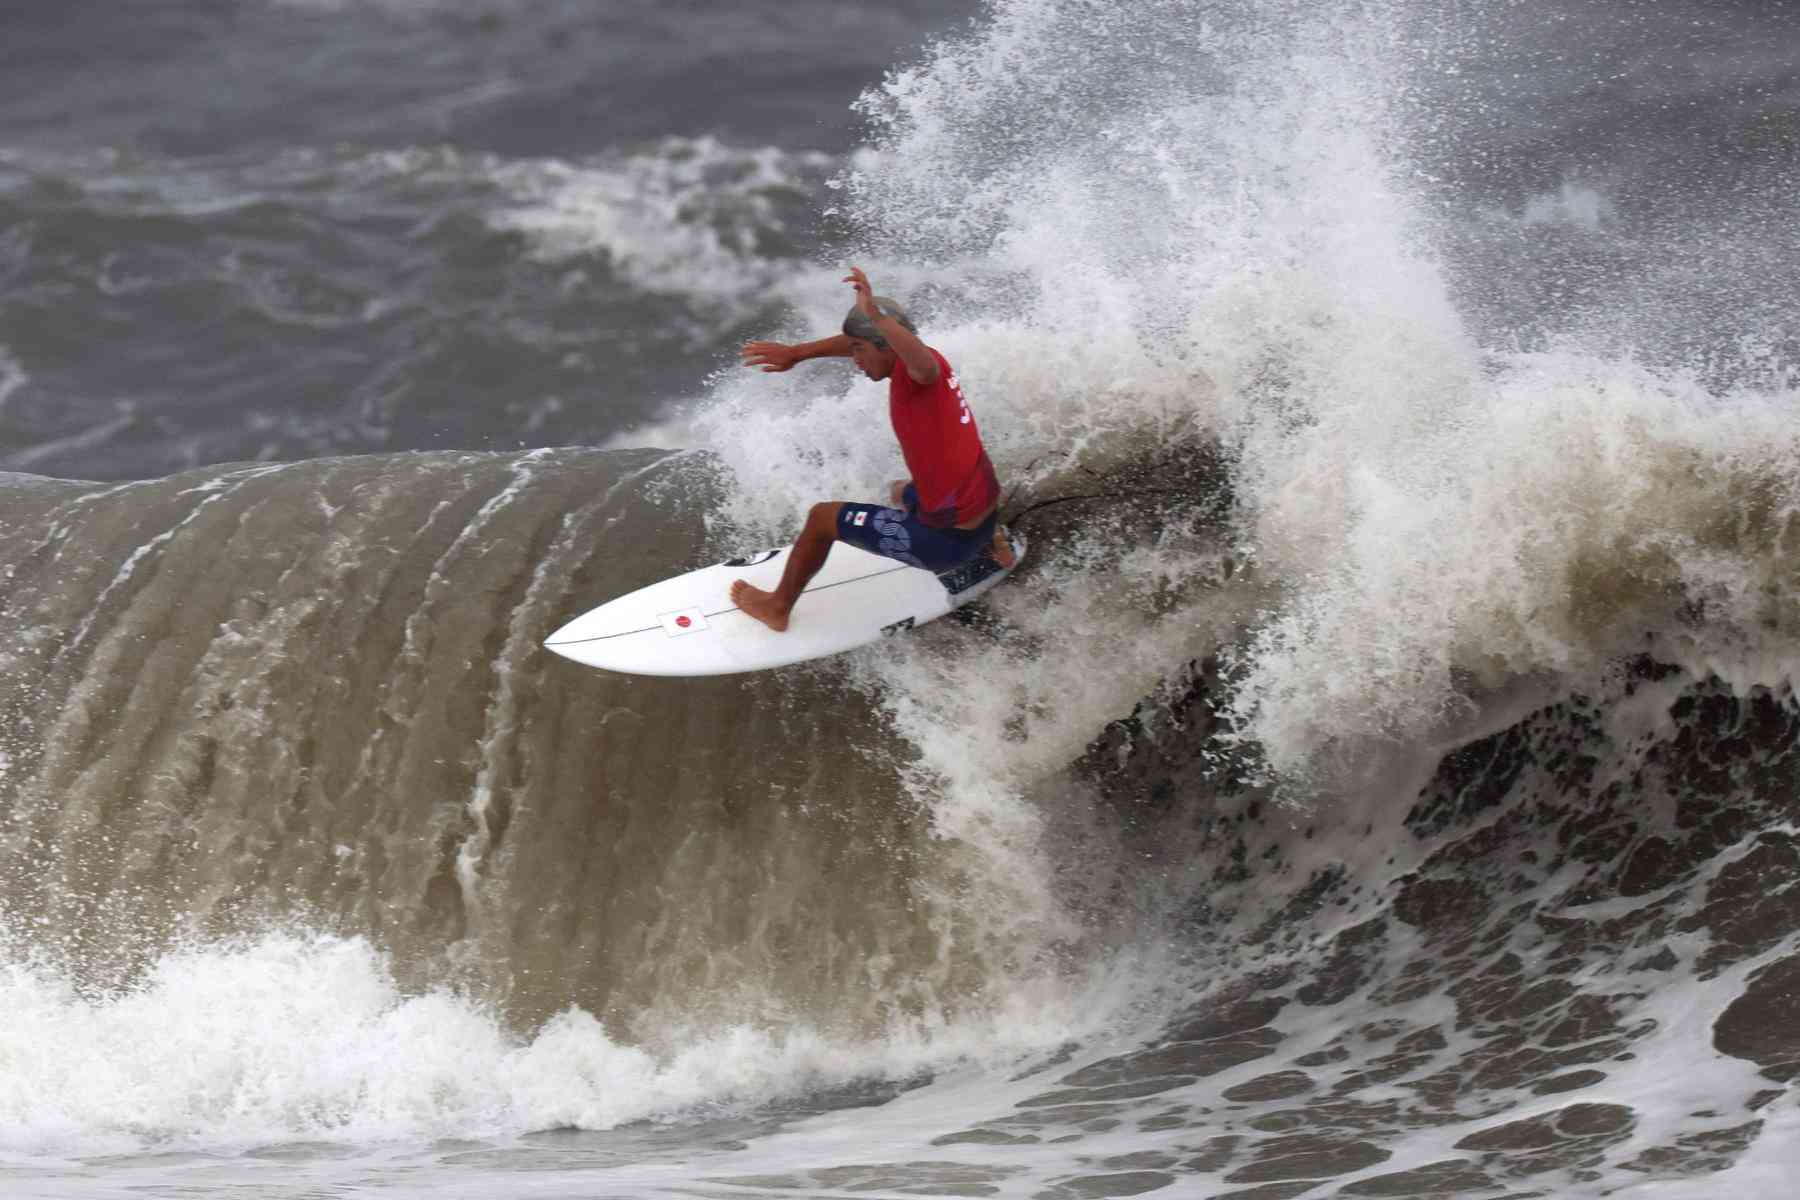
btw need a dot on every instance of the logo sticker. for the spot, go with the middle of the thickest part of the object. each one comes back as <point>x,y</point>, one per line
<point>682,622</point>
<point>860,518</point>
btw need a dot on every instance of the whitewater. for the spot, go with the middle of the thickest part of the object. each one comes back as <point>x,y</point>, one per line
<point>1380,782</point>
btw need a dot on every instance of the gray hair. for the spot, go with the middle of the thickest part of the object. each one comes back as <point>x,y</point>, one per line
<point>858,325</point>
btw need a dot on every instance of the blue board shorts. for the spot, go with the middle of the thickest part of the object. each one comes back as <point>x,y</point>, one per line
<point>899,534</point>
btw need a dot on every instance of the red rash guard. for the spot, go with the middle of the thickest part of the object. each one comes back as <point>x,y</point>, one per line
<point>942,447</point>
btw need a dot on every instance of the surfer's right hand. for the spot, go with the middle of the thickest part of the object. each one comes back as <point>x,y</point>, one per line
<point>770,356</point>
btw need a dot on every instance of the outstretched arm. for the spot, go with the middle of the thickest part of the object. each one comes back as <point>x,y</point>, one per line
<point>779,356</point>
<point>920,362</point>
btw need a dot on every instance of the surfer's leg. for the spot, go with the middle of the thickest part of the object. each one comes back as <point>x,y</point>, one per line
<point>803,562</point>
<point>899,534</point>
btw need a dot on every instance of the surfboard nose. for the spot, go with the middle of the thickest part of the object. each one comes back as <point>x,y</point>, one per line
<point>564,633</point>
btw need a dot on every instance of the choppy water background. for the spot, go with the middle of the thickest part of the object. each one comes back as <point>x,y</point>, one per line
<point>1381,783</point>
<point>285,230</point>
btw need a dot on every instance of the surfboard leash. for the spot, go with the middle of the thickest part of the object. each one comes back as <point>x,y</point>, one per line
<point>1125,494</point>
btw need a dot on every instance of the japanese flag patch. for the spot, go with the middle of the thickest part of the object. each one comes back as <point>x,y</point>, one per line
<point>682,622</point>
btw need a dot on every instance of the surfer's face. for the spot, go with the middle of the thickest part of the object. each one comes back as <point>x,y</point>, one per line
<point>871,359</point>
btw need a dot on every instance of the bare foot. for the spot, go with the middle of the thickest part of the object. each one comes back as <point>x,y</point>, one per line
<point>1001,551</point>
<point>755,602</point>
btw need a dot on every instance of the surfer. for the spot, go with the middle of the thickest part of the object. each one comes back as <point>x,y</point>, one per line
<point>947,513</point>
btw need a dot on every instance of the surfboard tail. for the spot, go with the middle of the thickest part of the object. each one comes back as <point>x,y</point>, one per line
<point>963,583</point>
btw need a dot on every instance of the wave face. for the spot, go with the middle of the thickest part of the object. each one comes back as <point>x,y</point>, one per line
<point>316,694</point>
<point>288,770</point>
<point>1379,783</point>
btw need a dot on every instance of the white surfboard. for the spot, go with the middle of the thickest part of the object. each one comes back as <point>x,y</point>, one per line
<point>689,626</point>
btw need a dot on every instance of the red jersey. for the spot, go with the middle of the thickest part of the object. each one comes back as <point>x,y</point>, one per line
<point>942,447</point>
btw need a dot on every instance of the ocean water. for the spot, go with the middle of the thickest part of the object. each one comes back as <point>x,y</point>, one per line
<point>1381,781</point>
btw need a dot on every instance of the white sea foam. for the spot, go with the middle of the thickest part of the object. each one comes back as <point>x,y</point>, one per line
<point>12,377</point>
<point>1575,504</point>
<point>685,218</point>
<point>1237,251</point>
<point>694,218</point>
<point>291,1036</point>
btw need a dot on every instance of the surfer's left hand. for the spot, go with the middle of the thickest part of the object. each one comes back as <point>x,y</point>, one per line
<point>865,292</point>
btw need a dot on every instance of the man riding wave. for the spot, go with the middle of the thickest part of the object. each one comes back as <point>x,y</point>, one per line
<point>946,514</point>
